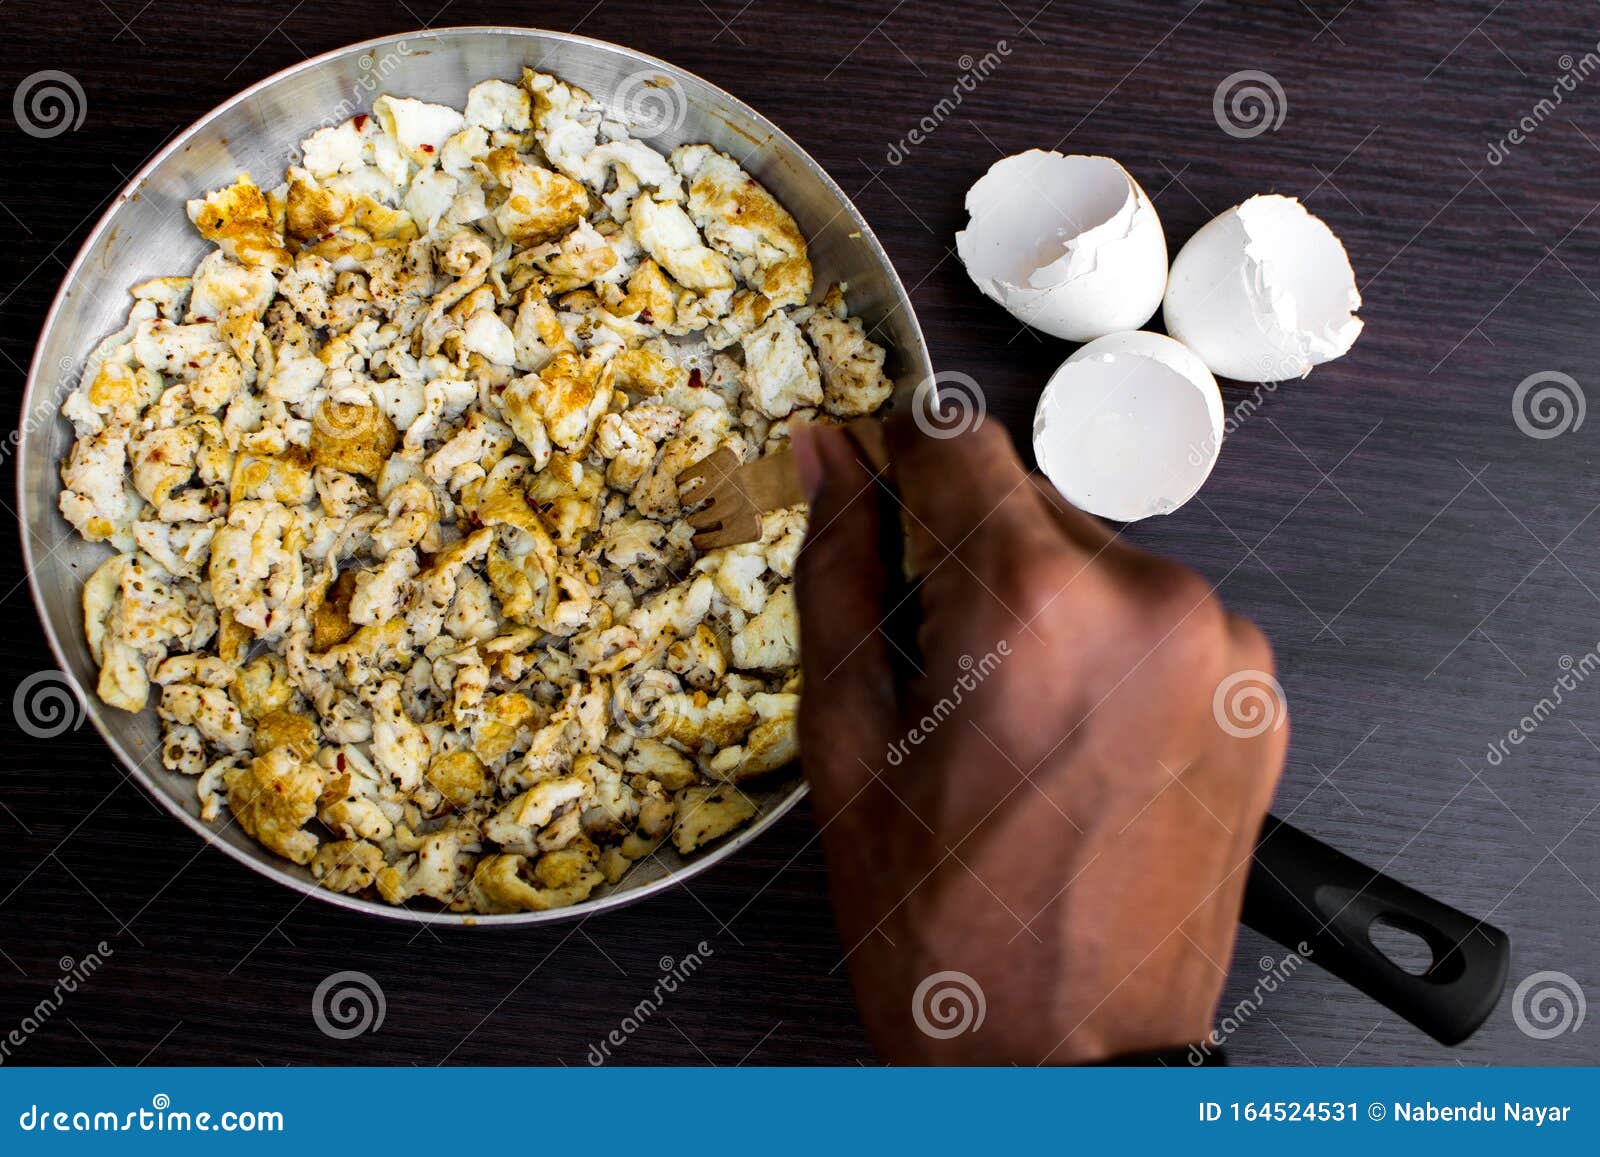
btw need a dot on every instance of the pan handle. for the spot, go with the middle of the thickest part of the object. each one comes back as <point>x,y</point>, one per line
<point>1303,892</point>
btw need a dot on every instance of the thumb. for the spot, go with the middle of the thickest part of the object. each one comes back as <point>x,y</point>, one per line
<point>848,704</point>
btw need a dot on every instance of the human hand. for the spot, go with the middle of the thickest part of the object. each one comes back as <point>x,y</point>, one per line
<point>1050,807</point>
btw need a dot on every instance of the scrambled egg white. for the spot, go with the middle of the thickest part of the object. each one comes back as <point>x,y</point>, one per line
<point>391,478</point>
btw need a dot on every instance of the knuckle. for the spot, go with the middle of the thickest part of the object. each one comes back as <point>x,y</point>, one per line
<point>1174,587</point>
<point>1177,602</point>
<point>1028,583</point>
<point>1250,646</point>
<point>1175,613</point>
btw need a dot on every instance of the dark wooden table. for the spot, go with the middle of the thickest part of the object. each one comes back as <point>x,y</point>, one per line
<point>1425,568</point>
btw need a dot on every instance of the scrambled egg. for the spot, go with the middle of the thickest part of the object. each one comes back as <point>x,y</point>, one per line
<point>391,477</point>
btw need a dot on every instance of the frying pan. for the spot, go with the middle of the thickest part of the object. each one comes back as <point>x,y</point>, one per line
<point>145,233</point>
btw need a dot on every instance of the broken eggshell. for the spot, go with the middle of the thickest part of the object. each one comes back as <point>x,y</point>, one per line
<point>1129,426</point>
<point>1067,244</point>
<point>1263,292</point>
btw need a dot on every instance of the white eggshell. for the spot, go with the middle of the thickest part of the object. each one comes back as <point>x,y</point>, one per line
<point>1068,244</point>
<point>1263,292</point>
<point>1129,426</point>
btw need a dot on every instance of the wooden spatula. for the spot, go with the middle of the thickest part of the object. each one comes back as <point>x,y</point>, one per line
<point>736,495</point>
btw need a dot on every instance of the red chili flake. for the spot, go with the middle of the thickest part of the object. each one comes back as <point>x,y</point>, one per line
<point>339,759</point>
<point>695,381</point>
<point>427,148</point>
<point>361,121</point>
<point>644,318</point>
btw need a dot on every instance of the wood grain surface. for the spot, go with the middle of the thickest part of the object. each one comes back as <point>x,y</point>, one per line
<point>1425,568</point>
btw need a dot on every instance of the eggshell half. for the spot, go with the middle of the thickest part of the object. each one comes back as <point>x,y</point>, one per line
<point>1129,426</point>
<point>1264,292</point>
<point>1068,244</point>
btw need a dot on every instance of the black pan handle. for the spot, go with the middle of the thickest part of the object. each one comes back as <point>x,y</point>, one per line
<point>1303,892</point>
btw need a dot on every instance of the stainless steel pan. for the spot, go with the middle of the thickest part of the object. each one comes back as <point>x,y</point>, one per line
<point>145,233</point>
